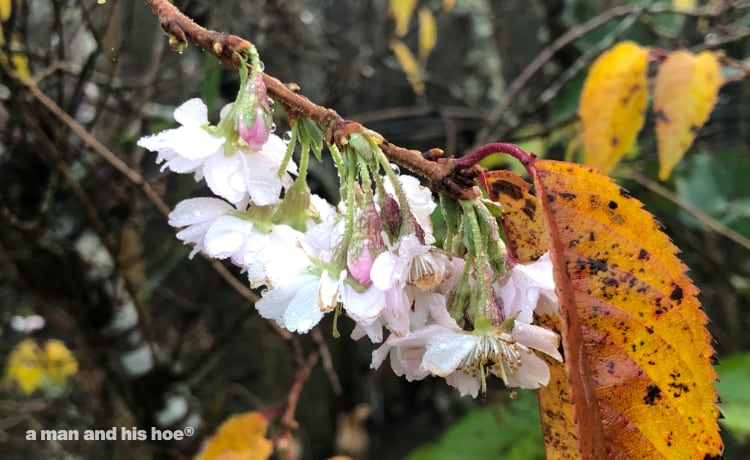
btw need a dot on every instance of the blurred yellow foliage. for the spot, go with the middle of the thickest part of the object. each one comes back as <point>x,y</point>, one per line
<point>19,61</point>
<point>47,366</point>
<point>240,437</point>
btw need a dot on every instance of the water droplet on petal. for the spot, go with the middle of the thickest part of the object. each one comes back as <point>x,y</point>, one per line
<point>273,127</point>
<point>261,66</point>
<point>287,137</point>
<point>395,168</point>
<point>271,103</point>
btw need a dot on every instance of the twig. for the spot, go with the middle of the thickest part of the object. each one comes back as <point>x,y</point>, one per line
<point>441,174</point>
<point>304,368</point>
<point>701,216</point>
<point>131,175</point>
<point>325,357</point>
<point>497,114</point>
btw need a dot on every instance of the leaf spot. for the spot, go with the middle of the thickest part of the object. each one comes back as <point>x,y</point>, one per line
<point>676,294</point>
<point>653,392</point>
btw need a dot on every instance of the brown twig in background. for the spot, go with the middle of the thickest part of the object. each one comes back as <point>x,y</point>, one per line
<point>442,175</point>
<point>699,215</point>
<point>499,111</point>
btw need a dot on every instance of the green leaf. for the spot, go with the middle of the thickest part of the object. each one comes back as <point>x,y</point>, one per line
<point>508,430</point>
<point>734,378</point>
<point>716,183</point>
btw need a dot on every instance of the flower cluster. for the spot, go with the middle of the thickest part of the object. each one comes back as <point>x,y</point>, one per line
<point>458,308</point>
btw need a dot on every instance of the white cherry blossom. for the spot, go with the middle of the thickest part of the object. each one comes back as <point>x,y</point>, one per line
<point>195,216</point>
<point>184,149</point>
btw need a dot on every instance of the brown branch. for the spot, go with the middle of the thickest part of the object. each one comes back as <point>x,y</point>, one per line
<point>442,176</point>
<point>699,215</point>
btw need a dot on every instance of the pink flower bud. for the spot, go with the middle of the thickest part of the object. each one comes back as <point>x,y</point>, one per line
<point>256,132</point>
<point>360,266</point>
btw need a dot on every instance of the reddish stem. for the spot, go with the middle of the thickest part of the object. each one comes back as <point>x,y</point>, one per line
<point>484,151</point>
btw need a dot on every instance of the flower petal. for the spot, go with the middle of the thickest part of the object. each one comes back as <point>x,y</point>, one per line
<point>538,338</point>
<point>192,112</point>
<point>446,352</point>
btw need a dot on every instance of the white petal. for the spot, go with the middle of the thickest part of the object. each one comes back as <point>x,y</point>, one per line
<point>217,171</point>
<point>226,236</point>
<point>192,113</point>
<point>328,293</point>
<point>533,372</point>
<point>195,143</point>
<point>183,165</point>
<point>156,142</point>
<point>194,210</point>
<point>382,272</point>
<point>538,338</point>
<point>446,352</point>
<point>466,384</point>
<point>397,310</point>
<point>363,307</point>
<point>303,313</point>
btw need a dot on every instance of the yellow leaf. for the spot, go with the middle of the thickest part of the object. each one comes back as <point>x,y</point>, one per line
<point>637,350</point>
<point>685,91</point>
<point>613,104</point>
<point>409,65</point>
<point>6,7</point>
<point>402,11</point>
<point>25,367</point>
<point>427,33</point>
<point>240,437</point>
<point>448,4</point>
<point>683,5</point>
<point>60,364</point>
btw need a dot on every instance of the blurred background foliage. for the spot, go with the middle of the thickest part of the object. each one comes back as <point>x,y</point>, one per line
<point>509,71</point>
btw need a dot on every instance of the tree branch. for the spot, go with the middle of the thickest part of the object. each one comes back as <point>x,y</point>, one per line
<point>441,173</point>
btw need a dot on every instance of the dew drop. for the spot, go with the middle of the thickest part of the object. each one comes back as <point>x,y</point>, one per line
<point>261,66</point>
<point>271,103</point>
<point>273,127</point>
<point>395,169</point>
<point>287,137</point>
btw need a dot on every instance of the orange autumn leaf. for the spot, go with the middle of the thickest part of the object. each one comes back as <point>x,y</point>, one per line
<point>638,356</point>
<point>613,104</point>
<point>522,214</point>
<point>240,437</point>
<point>685,92</point>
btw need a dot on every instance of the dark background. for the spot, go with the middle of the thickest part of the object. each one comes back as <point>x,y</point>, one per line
<point>109,67</point>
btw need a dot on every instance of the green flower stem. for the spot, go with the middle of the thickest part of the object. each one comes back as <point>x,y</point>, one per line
<point>364,174</point>
<point>478,259</point>
<point>493,243</point>
<point>406,225</point>
<point>290,152</point>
